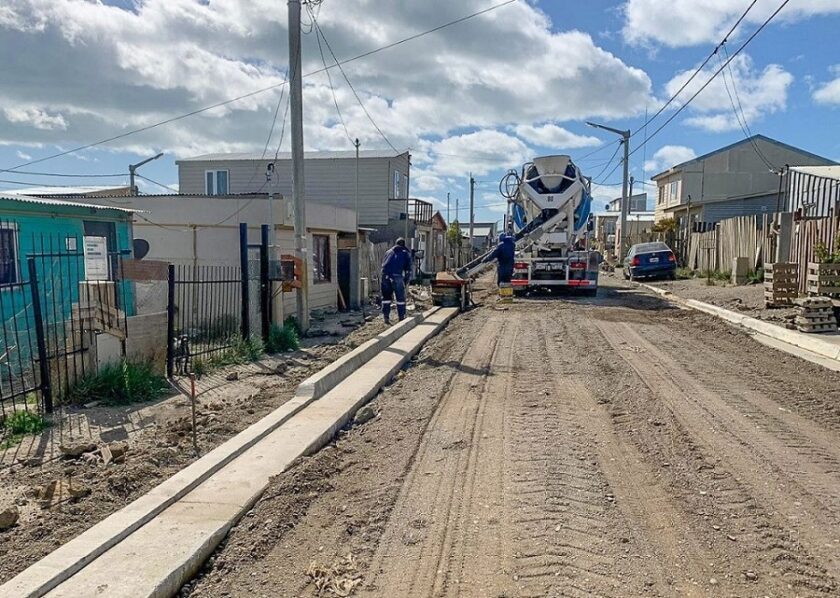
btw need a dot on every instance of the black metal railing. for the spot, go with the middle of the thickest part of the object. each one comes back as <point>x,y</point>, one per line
<point>205,314</point>
<point>51,307</point>
<point>213,308</point>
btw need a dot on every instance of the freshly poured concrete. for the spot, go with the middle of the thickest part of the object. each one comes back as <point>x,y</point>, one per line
<point>157,558</point>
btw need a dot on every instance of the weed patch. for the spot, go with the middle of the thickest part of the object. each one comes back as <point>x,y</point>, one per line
<point>19,424</point>
<point>119,384</point>
<point>283,338</point>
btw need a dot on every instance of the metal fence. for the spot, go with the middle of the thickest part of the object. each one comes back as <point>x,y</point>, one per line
<point>213,308</point>
<point>51,309</point>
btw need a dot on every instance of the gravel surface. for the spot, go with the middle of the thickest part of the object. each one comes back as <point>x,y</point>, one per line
<point>86,490</point>
<point>615,446</point>
<point>747,299</point>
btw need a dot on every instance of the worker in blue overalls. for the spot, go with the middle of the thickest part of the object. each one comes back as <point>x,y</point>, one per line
<point>505,252</point>
<point>396,269</point>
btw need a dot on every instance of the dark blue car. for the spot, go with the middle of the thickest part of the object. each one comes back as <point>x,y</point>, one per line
<point>650,260</point>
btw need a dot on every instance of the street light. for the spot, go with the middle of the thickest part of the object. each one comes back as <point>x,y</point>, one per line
<point>625,139</point>
<point>131,172</point>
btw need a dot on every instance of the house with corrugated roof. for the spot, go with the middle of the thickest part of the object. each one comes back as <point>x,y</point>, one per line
<point>740,179</point>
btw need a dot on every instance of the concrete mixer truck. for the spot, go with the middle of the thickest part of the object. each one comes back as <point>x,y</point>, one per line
<point>549,211</point>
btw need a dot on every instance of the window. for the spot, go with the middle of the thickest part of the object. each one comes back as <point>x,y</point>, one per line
<point>8,255</point>
<point>322,271</point>
<point>216,182</point>
<point>661,196</point>
<point>673,191</point>
<point>397,193</point>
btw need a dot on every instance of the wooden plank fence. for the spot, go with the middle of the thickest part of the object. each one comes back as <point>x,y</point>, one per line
<point>809,234</point>
<point>745,236</point>
<point>754,237</point>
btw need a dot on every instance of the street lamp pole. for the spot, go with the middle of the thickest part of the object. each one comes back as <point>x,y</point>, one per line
<point>625,203</point>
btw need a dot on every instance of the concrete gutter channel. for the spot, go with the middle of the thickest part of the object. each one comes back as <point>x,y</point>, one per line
<point>824,352</point>
<point>157,543</point>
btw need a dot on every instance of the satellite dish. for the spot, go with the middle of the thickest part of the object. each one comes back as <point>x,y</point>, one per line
<point>141,248</point>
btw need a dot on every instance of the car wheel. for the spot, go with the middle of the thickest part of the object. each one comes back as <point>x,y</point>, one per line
<point>672,275</point>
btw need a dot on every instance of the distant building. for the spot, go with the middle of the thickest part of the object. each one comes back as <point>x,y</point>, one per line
<point>639,224</point>
<point>329,177</point>
<point>485,235</point>
<point>638,203</point>
<point>736,180</point>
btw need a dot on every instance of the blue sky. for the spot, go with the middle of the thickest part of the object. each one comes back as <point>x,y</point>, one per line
<point>482,96</point>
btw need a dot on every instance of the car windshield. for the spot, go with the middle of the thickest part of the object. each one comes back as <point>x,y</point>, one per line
<point>650,247</point>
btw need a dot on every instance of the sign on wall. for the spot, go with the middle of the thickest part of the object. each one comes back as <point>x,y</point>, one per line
<point>96,258</point>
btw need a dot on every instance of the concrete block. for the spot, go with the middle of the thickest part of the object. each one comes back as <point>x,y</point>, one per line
<point>740,270</point>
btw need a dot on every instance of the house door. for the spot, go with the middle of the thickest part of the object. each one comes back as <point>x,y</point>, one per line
<point>344,260</point>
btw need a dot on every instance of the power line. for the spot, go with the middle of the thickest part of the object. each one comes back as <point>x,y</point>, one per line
<point>274,119</point>
<point>145,178</point>
<point>259,91</point>
<point>742,118</point>
<point>716,73</point>
<point>698,70</point>
<point>79,176</point>
<point>318,35</point>
<point>318,30</point>
<point>617,148</point>
<point>33,183</point>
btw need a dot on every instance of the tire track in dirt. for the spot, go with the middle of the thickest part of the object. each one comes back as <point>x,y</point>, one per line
<point>566,531</point>
<point>659,525</point>
<point>410,558</point>
<point>779,481</point>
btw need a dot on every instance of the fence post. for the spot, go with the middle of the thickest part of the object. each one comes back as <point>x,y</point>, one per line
<point>170,322</point>
<point>245,329</point>
<point>265,285</point>
<point>43,364</point>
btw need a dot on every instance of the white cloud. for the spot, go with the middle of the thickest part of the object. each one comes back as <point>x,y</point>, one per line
<point>829,92</point>
<point>668,156</point>
<point>759,93</point>
<point>493,202</point>
<point>36,117</point>
<point>684,23</point>
<point>121,69</point>
<point>479,152</point>
<point>553,136</point>
<point>22,155</point>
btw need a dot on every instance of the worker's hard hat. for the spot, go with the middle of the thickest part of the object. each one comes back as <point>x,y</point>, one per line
<point>401,242</point>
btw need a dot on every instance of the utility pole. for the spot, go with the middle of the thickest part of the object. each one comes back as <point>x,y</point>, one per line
<point>625,140</point>
<point>407,195</point>
<point>269,171</point>
<point>358,240</point>
<point>296,101</point>
<point>472,209</point>
<point>446,237</point>
<point>132,168</point>
<point>357,144</point>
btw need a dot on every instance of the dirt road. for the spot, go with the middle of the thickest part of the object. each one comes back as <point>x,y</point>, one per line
<point>607,447</point>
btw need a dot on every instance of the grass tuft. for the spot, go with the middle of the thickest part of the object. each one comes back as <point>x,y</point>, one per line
<point>119,384</point>
<point>283,338</point>
<point>19,424</point>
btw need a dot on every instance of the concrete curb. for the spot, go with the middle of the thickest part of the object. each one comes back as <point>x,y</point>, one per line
<point>70,558</point>
<point>182,572</point>
<point>321,382</point>
<point>790,337</point>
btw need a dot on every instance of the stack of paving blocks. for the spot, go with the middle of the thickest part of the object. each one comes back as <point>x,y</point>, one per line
<point>816,314</point>
<point>781,285</point>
